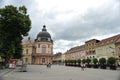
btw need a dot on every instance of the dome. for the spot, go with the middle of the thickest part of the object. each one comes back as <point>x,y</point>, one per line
<point>44,35</point>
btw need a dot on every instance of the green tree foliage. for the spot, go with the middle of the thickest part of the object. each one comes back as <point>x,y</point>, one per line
<point>95,60</point>
<point>111,60</point>
<point>102,60</point>
<point>14,24</point>
<point>84,61</point>
<point>88,60</point>
<point>79,60</point>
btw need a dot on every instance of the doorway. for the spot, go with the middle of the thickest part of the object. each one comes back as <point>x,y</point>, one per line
<point>43,60</point>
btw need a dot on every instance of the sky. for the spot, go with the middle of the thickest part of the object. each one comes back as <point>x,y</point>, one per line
<point>71,22</point>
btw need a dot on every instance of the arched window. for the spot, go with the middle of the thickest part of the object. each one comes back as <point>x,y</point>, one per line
<point>43,49</point>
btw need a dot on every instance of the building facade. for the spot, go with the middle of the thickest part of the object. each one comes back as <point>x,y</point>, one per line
<point>90,48</point>
<point>39,51</point>
<point>57,58</point>
<point>76,53</point>
<point>27,47</point>
<point>109,47</point>
<point>43,48</point>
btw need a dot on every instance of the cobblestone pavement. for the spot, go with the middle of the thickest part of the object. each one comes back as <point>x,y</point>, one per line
<point>57,72</point>
<point>4,72</point>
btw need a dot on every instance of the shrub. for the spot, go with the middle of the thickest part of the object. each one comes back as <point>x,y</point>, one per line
<point>111,60</point>
<point>102,60</point>
<point>88,60</point>
<point>84,61</point>
<point>95,60</point>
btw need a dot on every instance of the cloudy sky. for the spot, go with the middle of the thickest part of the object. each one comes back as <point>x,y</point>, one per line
<point>72,22</point>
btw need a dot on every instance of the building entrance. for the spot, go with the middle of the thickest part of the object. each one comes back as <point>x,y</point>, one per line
<point>43,60</point>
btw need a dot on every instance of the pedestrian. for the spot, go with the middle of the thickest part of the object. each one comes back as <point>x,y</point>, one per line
<point>82,67</point>
<point>49,65</point>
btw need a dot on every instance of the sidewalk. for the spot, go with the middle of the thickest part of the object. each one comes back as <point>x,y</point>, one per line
<point>4,71</point>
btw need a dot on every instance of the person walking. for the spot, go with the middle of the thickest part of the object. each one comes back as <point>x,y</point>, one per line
<point>49,65</point>
<point>82,67</point>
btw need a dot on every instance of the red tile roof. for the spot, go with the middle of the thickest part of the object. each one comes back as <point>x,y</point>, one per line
<point>115,39</point>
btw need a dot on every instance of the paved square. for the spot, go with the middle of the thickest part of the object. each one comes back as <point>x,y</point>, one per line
<point>57,72</point>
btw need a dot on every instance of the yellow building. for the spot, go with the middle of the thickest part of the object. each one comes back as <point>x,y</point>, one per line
<point>57,58</point>
<point>109,47</point>
<point>27,51</point>
<point>63,58</point>
<point>90,48</point>
<point>67,56</point>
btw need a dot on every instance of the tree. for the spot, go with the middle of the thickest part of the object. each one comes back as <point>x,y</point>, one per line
<point>79,61</point>
<point>111,62</point>
<point>84,61</point>
<point>14,24</point>
<point>95,60</point>
<point>88,61</point>
<point>102,61</point>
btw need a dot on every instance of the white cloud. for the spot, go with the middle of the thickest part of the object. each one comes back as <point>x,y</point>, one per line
<point>72,22</point>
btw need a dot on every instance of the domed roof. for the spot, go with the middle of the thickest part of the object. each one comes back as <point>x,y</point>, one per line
<point>44,35</point>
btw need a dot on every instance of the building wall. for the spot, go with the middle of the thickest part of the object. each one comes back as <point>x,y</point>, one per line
<point>105,51</point>
<point>80,54</point>
<point>39,46</point>
<point>90,48</point>
<point>67,56</point>
<point>118,49</point>
<point>43,53</point>
<point>27,52</point>
<point>76,53</point>
<point>63,57</point>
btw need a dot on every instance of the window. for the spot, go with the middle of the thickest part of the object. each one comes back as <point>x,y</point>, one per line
<point>43,60</point>
<point>26,51</point>
<point>43,49</point>
<point>26,60</point>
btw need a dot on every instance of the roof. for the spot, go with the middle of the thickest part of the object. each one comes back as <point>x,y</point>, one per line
<point>44,35</point>
<point>27,42</point>
<point>77,48</point>
<point>92,40</point>
<point>115,39</point>
<point>58,54</point>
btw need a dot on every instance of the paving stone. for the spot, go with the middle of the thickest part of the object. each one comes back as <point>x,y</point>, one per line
<point>56,72</point>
